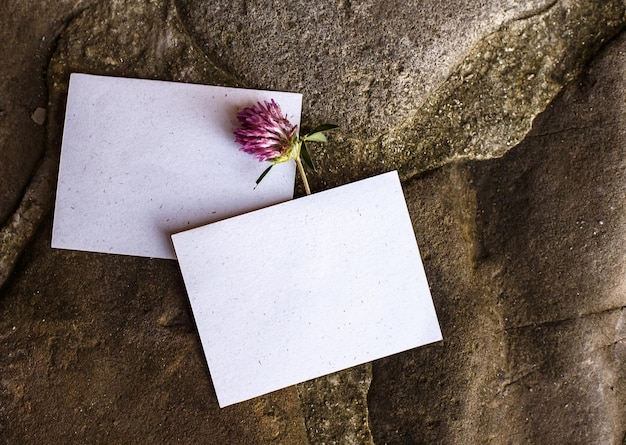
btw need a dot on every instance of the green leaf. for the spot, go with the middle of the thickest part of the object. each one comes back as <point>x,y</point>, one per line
<point>315,137</point>
<point>306,157</point>
<point>267,170</point>
<point>323,127</point>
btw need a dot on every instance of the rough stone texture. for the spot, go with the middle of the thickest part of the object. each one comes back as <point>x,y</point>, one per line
<point>525,256</point>
<point>26,46</point>
<point>97,348</point>
<point>489,102</point>
<point>363,64</point>
<point>121,336</point>
<point>335,407</point>
<point>122,364</point>
<point>414,85</point>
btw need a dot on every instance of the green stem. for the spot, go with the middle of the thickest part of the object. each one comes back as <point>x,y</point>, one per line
<point>301,170</point>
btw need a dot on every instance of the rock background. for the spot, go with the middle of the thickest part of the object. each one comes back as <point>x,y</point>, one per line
<point>524,253</point>
<point>527,267</point>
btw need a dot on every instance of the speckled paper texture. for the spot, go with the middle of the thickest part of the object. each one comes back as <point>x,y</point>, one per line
<point>307,287</point>
<point>143,159</point>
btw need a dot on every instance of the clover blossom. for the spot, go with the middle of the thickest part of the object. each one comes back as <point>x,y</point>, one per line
<point>265,132</point>
<point>269,136</point>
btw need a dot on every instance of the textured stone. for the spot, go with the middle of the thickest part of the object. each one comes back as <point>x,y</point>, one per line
<point>99,348</point>
<point>525,256</point>
<point>121,332</point>
<point>413,85</point>
<point>335,407</point>
<point>26,45</point>
<point>489,102</point>
<point>363,64</point>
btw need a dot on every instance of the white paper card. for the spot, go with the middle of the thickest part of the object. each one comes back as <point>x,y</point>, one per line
<point>142,159</point>
<point>308,287</point>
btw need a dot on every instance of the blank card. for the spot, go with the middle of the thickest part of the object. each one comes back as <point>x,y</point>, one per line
<point>307,287</point>
<point>142,159</point>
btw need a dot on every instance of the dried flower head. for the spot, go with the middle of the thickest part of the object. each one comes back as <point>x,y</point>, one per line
<point>269,136</point>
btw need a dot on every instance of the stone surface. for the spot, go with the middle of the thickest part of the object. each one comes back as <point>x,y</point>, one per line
<point>26,45</point>
<point>527,271</point>
<point>489,102</point>
<point>413,86</point>
<point>122,364</point>
<point>335,407</point>
<point>527,276</point>
<point>362,64</point>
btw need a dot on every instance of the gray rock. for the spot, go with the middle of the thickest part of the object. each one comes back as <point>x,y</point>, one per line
<point>365,65</point>
<point>413,85</point>
<point>27,40</point>
<point>525,256</point>
<point>335,407</point>
<point>138,39</point>
<point>488,104</point>
<point>26,45</point>
<point>101,348</point>
<point>105,348</point>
